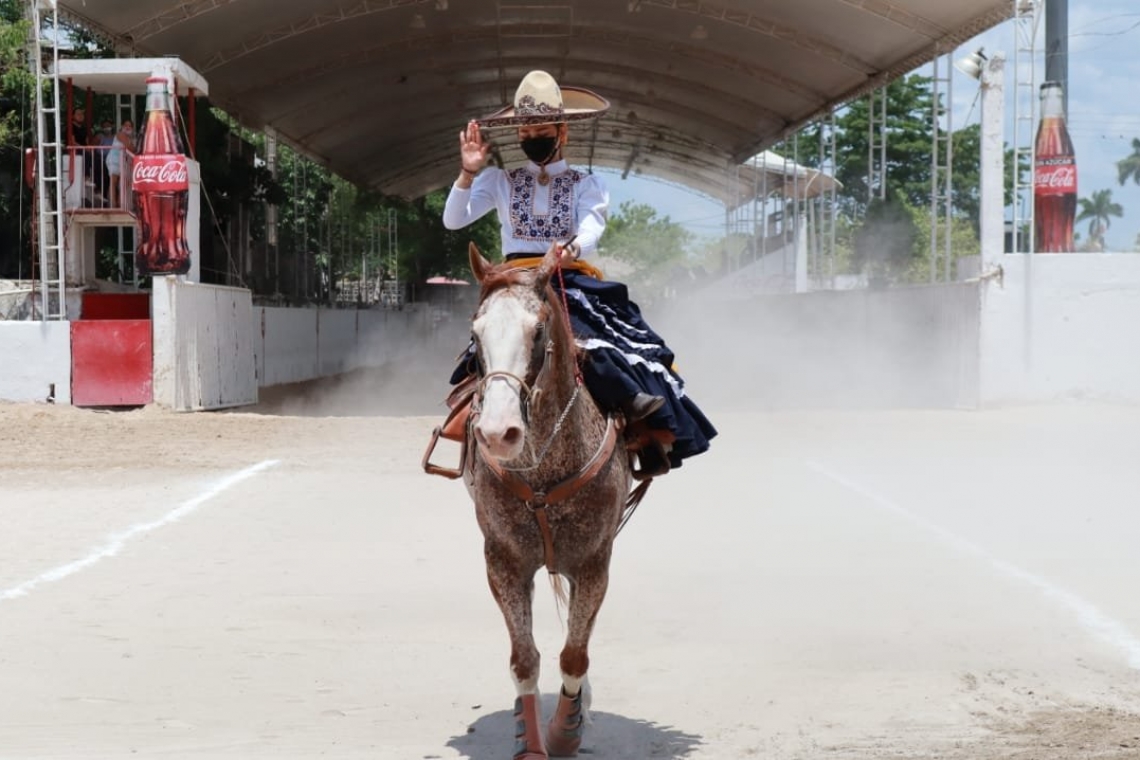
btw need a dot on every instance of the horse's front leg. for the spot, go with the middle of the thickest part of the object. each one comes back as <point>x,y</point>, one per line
<point>588,590</point>
<point>513,589</point>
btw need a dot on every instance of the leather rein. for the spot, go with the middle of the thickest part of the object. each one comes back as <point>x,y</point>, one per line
<point>537,500</point>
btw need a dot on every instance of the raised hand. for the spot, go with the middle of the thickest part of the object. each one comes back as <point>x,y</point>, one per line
<point>472,148</point>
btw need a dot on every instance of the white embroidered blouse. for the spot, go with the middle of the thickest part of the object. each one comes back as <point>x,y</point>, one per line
<point>531,215</point>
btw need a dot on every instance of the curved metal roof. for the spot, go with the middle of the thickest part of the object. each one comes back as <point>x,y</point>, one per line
<point>379,89</point>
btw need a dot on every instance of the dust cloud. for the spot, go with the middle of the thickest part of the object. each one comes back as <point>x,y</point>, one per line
<point>404,375</point>
<point>901,348</point>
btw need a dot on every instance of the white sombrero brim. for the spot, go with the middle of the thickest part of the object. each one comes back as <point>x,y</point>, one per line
<point>578,104</point>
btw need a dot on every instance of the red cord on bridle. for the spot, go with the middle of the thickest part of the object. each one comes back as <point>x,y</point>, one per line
<point>569,327</point>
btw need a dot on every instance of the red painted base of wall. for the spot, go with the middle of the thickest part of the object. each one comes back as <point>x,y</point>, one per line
<point>112,362</point>
<point>115,306</point>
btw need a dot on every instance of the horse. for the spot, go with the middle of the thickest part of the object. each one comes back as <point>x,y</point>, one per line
<point>550,480</point>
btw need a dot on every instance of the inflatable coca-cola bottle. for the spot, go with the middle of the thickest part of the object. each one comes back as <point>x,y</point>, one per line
<point>1054,176</point>
<point>161,188</point>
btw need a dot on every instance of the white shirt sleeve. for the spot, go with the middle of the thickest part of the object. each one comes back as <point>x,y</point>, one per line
<point>593,210</point>
<point>465,206</point>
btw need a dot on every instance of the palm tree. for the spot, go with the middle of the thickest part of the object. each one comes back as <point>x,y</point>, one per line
<point>1099,211</point>
<point>1129,167</point>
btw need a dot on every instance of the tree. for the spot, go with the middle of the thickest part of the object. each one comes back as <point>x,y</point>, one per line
<point>1099,211</point>
<point>1128,168</point>
<point>909,137</point>
<point>654,247</point>
<point>885,246</point>
<point>636,235</point>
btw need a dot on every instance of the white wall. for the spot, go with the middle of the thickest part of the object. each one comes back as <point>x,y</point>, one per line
<point>204,344</point>
<point>1062,326</point>
<point>36,356</point>
<point>296,345</point>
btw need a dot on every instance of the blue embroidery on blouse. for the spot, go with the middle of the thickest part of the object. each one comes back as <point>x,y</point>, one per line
<point>558,222</point>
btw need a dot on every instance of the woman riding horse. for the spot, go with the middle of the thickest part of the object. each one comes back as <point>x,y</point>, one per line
<point>628,367</point>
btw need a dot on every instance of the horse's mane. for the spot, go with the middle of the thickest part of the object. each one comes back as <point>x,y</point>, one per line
<point>501,276</point>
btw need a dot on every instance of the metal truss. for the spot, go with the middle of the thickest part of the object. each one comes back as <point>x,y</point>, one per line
<point>50,222</point>
<point>941,168</point>
<point>1027,17</point>
<point>877,144</point>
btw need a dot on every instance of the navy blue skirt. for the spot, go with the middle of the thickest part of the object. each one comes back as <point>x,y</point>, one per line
<point>624,356</point>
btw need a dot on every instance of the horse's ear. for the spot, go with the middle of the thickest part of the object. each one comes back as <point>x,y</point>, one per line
<point>546,269</point>
<point>479,265</point>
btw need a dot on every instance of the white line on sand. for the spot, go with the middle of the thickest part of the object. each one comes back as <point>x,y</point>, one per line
<point>116,541</point>
<point>1088,615</point>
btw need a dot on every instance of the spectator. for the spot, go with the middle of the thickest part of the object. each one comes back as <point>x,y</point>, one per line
<point>124,140</point>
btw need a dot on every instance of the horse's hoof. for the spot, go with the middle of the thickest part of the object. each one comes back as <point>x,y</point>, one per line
<point>564,734</point>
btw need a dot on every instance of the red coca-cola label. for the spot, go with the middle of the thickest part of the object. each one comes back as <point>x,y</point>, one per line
<point>160,173</point>
<point>1055,176</point>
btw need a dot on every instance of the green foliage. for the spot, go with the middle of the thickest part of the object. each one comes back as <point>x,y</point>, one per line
<point>963,242</point>
<point>16,84</point>
<point>885,244</point>
<point>636,235</point>
<point>1098,211</point>
<point>1128,168</point>
<point>654,247</point>
<point>909,138</point>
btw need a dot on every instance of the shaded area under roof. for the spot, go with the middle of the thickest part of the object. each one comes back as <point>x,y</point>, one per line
<point>378,90</point>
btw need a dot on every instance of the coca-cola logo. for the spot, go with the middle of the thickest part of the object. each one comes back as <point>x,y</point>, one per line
<point>160,173</point>
<point>1055,177</point>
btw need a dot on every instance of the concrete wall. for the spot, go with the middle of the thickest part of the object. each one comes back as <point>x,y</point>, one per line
<point>1062,326</point>
<point>296,345</point>
<point>36,356</point>
<point>203,345</point>
<point>909,347</point>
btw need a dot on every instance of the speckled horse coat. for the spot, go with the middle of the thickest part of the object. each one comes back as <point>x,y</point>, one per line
<point>532,417</point>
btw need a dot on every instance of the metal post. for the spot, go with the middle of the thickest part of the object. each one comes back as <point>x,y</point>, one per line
<point>992,220</point>
<point>877,145</point>
<point>1057,46</point>
<point>941,169</point>
<point>49,161</point>
<point>1026,18</point>
<point>271,210</point>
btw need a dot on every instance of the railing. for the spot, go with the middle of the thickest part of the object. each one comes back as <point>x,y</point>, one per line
<point>89,182</point>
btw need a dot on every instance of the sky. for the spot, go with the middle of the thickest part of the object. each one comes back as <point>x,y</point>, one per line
<point>1103,119</point>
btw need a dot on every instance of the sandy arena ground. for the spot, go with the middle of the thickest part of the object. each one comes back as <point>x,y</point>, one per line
<point>285,583</point>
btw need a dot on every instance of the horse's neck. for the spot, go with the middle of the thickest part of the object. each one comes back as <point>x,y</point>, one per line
<point>582,415</point>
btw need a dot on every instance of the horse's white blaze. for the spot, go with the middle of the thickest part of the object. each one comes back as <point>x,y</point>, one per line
<point>505,331</point>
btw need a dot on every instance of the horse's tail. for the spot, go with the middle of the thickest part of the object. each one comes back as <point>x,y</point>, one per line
<point>561,598</point>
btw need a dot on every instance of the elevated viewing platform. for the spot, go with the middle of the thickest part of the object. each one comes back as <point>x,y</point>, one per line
<point>97,178</point>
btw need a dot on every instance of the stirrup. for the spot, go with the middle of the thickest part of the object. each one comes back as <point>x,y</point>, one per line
<point>648,473</point>
<point>451,473</point>
<point>454,428</point>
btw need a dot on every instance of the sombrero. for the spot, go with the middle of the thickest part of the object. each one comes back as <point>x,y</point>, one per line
<point>539,100</point>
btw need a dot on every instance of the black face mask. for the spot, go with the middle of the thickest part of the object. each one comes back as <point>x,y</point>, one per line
<point>539,149</point>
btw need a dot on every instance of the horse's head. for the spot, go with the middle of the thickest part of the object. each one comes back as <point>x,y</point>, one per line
<point>513,329</point>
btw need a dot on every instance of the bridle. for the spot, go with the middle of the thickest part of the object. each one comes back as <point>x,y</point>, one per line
<point>530,394</point>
